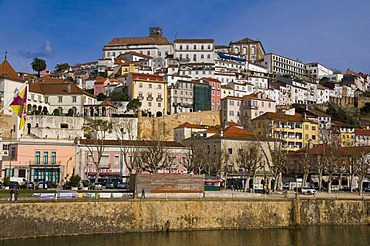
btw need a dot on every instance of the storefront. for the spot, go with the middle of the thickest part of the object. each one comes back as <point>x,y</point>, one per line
<point>45,173</point>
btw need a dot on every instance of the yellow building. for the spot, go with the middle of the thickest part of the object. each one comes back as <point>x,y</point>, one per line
<point>293,130</point>
<point>343,132</point>
<point>151,90</point>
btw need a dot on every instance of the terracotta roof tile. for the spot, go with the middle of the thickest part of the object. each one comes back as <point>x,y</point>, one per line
<point>8,72</point>
<point>362,131</point>
<point>280,116</point>
<point>138,40</point>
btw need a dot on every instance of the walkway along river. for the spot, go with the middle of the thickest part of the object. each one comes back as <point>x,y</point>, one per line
<point>50,218</point>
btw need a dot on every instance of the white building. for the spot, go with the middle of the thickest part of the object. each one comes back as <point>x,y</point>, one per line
<point>315,71</point>
<point>150,46</point>
<point>194,50</point>
<point>280,65</point>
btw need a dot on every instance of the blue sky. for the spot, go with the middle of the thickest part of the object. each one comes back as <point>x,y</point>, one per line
<point>335,33</point>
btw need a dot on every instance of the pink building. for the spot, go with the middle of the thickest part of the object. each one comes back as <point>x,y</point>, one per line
<point>215,92</point>
<point>39,159</point>
<point>121,158</point>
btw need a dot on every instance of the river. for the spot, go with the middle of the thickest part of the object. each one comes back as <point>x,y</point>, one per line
<point>306,235</point>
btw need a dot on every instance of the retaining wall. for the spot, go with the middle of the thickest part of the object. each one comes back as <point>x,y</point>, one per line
<point>48,218</point>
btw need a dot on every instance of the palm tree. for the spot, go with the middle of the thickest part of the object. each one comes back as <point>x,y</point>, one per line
<point>38,65</point>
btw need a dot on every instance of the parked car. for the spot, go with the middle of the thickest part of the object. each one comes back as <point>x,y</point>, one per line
<point>286,186</point>
<point>110,185</point>
<point>14,185</point>
<point>30,185</point>
<point>42,185</point>
<point>122,185</point>
<point>67,186</point>
<point>307,190</point>
<point>97,186</point>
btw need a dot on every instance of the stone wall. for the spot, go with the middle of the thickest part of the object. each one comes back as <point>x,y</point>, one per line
<point>48,218</point>
<point>167,123</point>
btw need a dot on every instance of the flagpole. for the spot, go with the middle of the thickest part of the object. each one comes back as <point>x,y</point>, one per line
<point>15,94</point>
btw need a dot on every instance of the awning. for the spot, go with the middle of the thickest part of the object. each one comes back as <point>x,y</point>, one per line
<point>325,178</point>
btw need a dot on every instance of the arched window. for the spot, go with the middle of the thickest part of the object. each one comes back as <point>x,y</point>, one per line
<point>253,50</point>
<point>236,50</point>
<point>245,51</point>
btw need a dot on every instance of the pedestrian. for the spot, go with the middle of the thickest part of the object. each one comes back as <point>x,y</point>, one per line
<point>16,195</point>
<point>142,193</point>
<point>11,194</point>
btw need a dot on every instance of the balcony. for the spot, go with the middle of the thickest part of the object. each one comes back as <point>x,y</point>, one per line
<point>159,99</point>
<point>149,98</point>
<point>140,97</point>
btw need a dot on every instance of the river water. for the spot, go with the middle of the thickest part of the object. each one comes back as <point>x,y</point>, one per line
<point>306,235</point>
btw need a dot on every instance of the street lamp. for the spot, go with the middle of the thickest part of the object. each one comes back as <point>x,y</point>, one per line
<point>70,158</point>
<point>11,154</point>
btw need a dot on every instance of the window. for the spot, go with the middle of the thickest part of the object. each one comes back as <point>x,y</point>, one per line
<point>159,86</point>
<point>313,137</point>
<point>53,157</point>
<point>60,99</point>
<point>306,127</point>
<point>46,157</point>
<point>104,162</point>
<point>140,85</point>
<point>149,104</point>
<point>313,128</point>
<point>37,157</point>
<point>148,53</point>
<point>231,113</point>
<point>180,47</point>
<point>230,150</point>
<point>195,47</point>
<point>159,105</point>
<point>74,99</point>
<point>46,99</point>
<point>208,56</point>
<point>150,86</point>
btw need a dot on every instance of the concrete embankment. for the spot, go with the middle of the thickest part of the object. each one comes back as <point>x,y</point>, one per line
<point>48,218</point>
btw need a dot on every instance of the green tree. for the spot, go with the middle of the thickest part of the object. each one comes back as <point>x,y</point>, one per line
<point>119,96</point>
<point>56,112</point>
<point>134,105</point>
<point>75,180</point>
<point>38,65</point>
<point>61,67</point>
<point>101,97</point>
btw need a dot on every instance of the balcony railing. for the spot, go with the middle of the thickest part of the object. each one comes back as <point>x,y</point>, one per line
<point>149,98</point>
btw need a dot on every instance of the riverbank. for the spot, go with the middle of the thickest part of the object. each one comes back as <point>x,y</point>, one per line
<point>26,218</point>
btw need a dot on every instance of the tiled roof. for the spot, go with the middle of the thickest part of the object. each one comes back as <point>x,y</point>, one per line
<point>189,125</point>
<point>107,103</point>
<point>235,132</point>
<point>56,88</point>
<point>280,116</point>
<point>136,54</point>
<point>8,72</point>
<point>335,123</point>
<point>139,41</point>
<point>362,131</point>
<point>256,96</point>
<point>183,40</point>
<point>151,77</point>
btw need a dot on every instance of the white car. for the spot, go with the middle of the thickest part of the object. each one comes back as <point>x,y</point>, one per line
<point>308,190</point>
<point>97,186</point>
